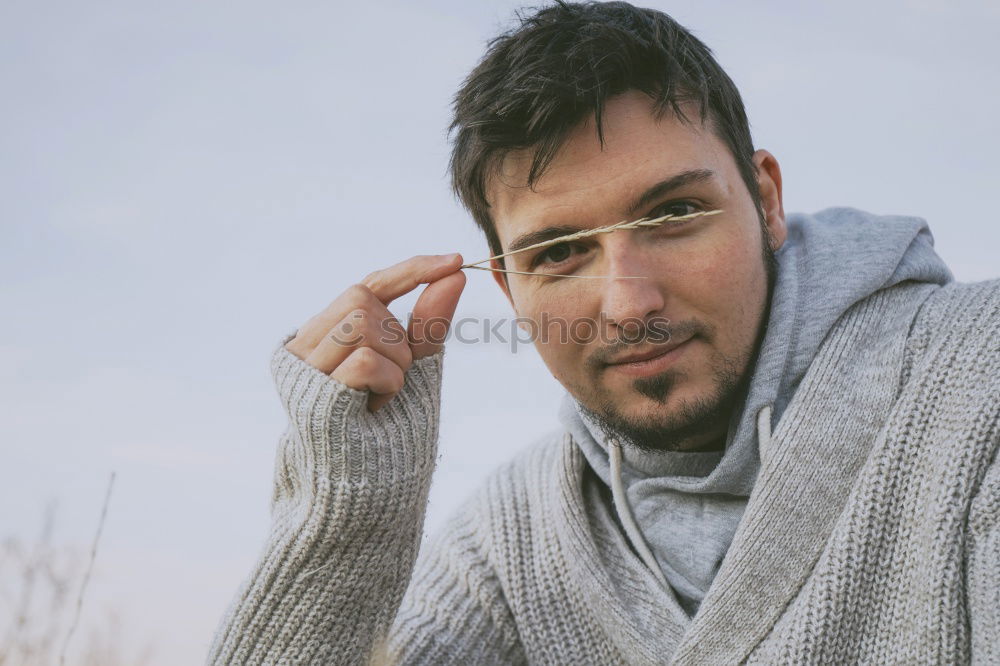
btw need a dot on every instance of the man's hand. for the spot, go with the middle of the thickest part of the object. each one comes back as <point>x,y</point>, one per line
<point>358,342</point>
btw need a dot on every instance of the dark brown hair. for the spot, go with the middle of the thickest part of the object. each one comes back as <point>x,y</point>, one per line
<point>560,65</point>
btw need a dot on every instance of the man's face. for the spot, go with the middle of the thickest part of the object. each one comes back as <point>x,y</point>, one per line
<point>704,280</point>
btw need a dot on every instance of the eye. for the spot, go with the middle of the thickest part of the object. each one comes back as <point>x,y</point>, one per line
<point>675,208</point>
<point>555,254</point>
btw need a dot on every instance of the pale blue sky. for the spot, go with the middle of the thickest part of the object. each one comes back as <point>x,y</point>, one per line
<point>182,183</point>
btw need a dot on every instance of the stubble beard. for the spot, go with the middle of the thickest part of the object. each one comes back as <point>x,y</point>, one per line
<point>686,427</point>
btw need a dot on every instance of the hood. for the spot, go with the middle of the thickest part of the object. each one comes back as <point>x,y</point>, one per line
<point>829,261</point>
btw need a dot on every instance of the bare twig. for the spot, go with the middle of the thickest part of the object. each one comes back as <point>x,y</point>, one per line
<point>90,567</point>
<point>30,564</point>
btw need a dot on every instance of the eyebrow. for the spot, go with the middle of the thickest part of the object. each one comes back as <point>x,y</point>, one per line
<point>540,236</point>
<point>653,193</point>
<point>667,186</point>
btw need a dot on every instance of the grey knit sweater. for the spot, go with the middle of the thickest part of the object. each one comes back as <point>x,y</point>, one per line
<point>872,534</point>
<point>688,505</point>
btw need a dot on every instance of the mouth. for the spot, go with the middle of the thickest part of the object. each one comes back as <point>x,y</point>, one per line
<point>650,362</point>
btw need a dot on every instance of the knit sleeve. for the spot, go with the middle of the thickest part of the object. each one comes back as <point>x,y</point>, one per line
<point>347,512</point>
<point>983,569</point>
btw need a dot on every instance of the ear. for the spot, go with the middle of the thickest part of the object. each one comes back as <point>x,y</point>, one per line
<point>501,280</point>
<point>769,182</point>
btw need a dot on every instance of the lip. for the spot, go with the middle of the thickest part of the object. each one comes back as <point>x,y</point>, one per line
<point>651,362</point>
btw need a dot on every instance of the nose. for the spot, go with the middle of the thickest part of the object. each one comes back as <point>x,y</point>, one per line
<point>625,299</point>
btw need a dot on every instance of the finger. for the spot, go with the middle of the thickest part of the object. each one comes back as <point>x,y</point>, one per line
<point>367,370</point>
<point>311,334</point>
<point>413,272</point>
<point>390,283</point>
<point>380,331</point>
<point>432,314</point>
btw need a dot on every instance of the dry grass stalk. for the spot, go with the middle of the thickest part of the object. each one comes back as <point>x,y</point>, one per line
<point>39,583</point>
<point>34,586</point>
<point>586,233</point>
<point>90,568</point>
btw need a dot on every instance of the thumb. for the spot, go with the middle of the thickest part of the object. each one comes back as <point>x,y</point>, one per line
<point>432,314</point>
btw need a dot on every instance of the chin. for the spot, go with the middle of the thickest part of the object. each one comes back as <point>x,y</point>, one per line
<point>669,410</point>
<point>665,411</point>
<point>671,413</point>
<point>660,390</point>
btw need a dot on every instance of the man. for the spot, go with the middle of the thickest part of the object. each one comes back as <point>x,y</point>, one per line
<point>801,470</point>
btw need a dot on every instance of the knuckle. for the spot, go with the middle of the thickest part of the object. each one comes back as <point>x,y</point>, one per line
<point>358,293</point>
<point>374,280</point>
<point>366,359</point>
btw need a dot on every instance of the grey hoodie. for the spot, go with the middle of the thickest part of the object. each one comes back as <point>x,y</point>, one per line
<point>686,505</point>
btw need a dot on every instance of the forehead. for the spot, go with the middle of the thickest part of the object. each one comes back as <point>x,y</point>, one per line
<point>588,185</point>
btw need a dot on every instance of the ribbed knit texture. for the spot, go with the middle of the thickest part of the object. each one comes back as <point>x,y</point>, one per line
<point>872,534</point>
<point>350,491</point>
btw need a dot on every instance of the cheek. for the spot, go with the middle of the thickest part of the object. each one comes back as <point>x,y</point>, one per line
<point>565,300</point>
<point>727,282</point>
<point>562,326</point>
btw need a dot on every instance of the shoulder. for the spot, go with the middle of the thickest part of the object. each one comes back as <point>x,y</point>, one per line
<point>952,374</point>
<point>960,310</point>
<point>957,327</point>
